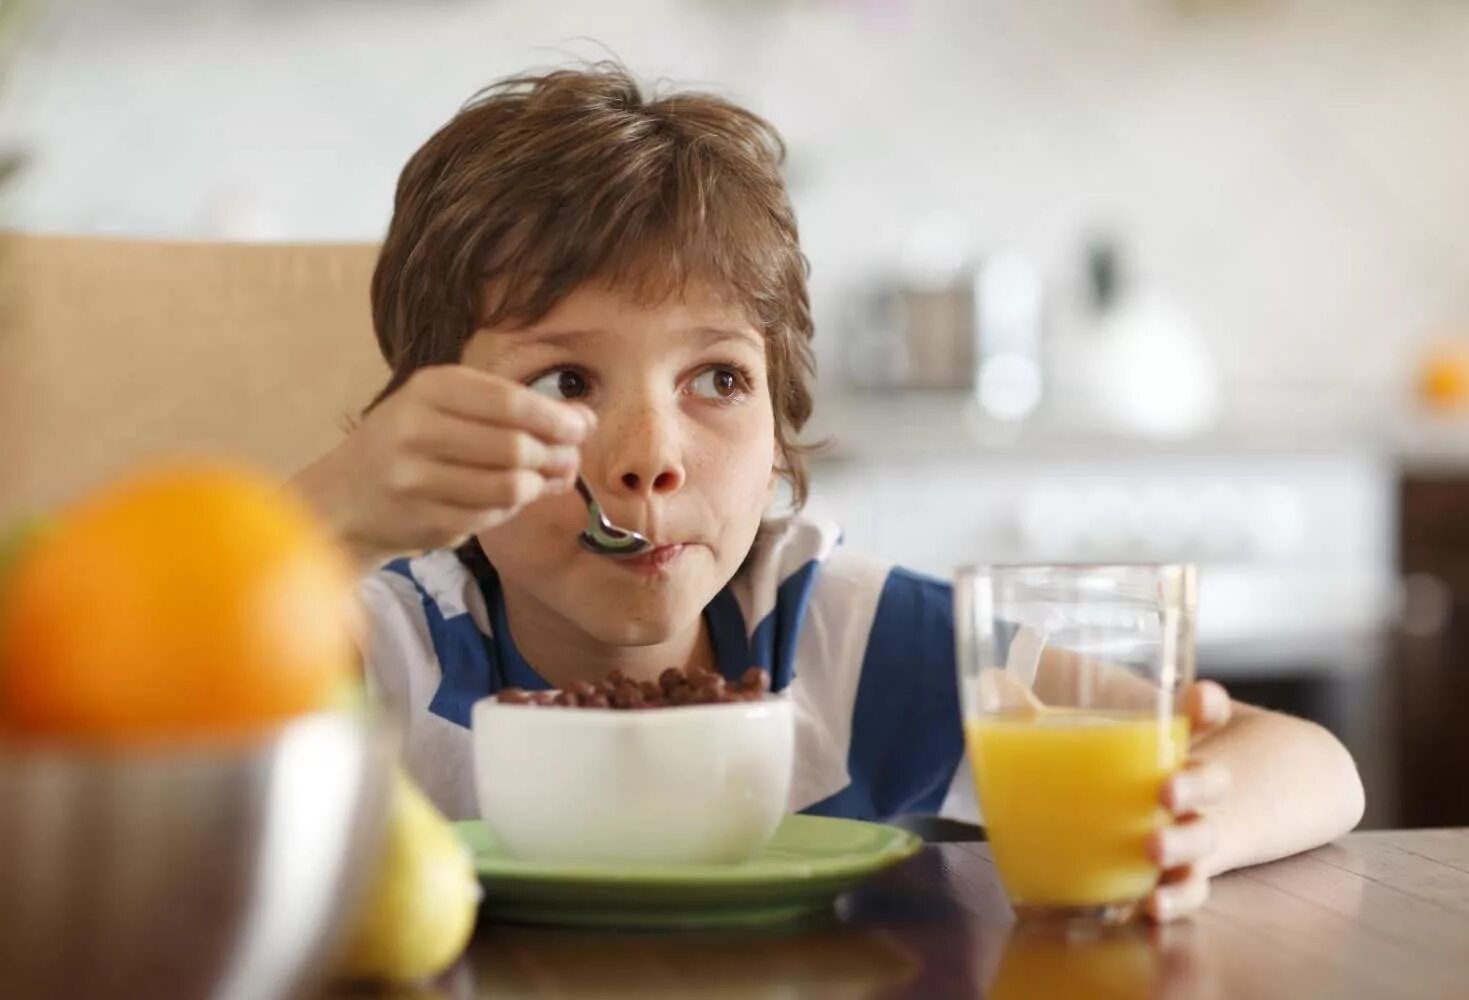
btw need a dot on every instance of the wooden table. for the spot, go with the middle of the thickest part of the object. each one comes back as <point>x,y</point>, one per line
<point>1380,915</point>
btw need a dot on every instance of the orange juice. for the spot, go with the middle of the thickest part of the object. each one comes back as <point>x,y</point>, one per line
<point>1069,797</point>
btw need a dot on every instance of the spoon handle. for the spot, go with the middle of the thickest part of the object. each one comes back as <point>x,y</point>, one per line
<point>586,494</point>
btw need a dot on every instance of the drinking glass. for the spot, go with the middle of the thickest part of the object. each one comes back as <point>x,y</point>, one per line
<point>1069,679</point>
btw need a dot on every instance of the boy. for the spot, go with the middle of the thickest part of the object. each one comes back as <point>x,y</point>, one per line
<point>578,280</point>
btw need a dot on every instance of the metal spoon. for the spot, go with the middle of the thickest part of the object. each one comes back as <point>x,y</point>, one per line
<point>605,538</point>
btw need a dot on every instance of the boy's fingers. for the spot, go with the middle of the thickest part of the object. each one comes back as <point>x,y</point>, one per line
<point>470,490</point>
<point>1002,691</point>
<point>458,441</point>
<point>1197,785</point>
<point>1207,707</point>
<point>1182,891</point>
<point>1188,842</point>
<point>487,398</point>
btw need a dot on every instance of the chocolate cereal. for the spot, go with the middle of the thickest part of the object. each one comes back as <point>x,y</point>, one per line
<point>674,688</point>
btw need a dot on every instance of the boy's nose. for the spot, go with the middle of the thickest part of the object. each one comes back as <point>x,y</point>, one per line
<point>645,456</point>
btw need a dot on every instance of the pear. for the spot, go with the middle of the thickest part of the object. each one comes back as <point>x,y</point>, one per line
<point>420,909</point>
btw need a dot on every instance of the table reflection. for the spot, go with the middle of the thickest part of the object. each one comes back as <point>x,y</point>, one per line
<point>823,962</point>
<point>1166,963</point>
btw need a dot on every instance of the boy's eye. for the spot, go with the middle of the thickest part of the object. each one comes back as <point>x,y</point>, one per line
<point>719,383</point>
<point>563,383</point>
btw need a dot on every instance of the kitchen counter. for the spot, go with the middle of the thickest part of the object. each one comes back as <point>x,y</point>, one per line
<point>1283,421</point>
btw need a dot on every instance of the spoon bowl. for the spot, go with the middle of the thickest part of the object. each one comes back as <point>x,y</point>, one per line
<point>602,536</point>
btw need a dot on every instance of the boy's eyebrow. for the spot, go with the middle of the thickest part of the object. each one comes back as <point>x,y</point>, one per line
<point>708,336</point>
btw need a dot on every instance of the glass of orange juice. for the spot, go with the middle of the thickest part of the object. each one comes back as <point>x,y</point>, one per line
<point>1069,677</point>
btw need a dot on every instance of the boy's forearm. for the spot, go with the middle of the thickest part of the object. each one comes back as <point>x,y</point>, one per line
<point>1294,787</point>
<point>321,486</point>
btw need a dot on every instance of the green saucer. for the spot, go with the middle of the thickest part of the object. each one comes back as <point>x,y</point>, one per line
<point>808,863</point>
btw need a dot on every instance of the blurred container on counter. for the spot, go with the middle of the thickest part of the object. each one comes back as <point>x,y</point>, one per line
<point>1135,364</point>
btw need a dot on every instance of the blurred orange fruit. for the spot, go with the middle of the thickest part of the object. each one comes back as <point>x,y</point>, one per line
<point>183,601</point>
<point>1443,378</point>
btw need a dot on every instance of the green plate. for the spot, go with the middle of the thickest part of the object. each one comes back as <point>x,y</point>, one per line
<point>805,866</point>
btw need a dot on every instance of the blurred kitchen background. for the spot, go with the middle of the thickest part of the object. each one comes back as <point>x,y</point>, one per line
<point>1093,279</point>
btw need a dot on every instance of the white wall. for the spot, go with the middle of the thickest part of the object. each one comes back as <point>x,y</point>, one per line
<point>1295,172</point>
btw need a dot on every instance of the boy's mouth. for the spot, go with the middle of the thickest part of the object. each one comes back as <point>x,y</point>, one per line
<point>655,560</point>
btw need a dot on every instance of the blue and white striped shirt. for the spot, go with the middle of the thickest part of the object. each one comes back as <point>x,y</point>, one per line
<point>864,650</point>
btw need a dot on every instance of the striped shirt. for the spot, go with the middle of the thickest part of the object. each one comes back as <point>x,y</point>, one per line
<point>864,650</point>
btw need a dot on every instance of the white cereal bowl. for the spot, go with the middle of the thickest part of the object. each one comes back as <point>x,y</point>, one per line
<point>701,784</point>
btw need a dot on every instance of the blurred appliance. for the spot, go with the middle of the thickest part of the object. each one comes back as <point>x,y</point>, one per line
<point>979,331</point>
<point>944,322</point>
<point>914,337</point>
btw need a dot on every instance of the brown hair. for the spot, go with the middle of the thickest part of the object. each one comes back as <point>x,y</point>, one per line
<point>542,183</point>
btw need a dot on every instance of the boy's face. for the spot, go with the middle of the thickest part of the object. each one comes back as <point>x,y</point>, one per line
<point>684,452</point>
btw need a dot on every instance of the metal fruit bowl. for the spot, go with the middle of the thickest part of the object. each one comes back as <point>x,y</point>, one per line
<point>224,873</point>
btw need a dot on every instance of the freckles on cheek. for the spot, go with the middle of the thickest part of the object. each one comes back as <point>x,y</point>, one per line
<point>747,481</point>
